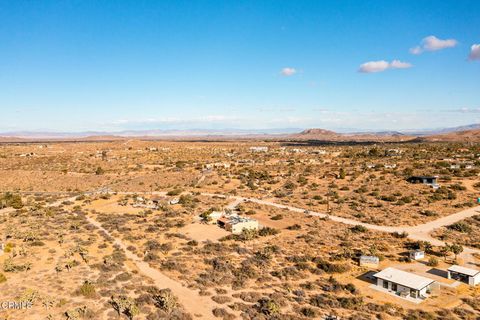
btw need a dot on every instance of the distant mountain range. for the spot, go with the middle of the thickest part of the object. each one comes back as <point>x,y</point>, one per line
<point>461,133</point>
<point>148,133</point>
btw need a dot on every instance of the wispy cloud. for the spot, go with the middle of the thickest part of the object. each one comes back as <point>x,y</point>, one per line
<point>288,71</point>
<point>432,43</point>
<point>382,65</point>
<point>474,52</point>
<point>173,120</point>
<point>466,110</point>
<point>276,109</point>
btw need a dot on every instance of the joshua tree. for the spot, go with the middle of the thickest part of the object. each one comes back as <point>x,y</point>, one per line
<point>125,305</point>
<point>165,300</point>
<point>456,249</point>
<point>445,250</point>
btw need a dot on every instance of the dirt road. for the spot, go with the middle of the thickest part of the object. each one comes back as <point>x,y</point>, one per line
<point>200,306</point>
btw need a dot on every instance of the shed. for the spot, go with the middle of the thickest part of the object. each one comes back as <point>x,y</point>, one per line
<point>417,254</point>
<point>428,180</point>
<point>369,261</point>
<point>464,274</point>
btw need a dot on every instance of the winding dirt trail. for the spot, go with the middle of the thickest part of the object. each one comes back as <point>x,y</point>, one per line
<point>201,306</point>
<point>418,232</point>
<point>197,305</point>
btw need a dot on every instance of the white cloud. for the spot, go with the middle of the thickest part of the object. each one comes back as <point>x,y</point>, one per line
<point>432,43</point>
<point>382,65</point>
<point>374,66</point>
<point>474,52</point>
<point>397,64</point>
<point>288,71</point>
<point>416,50</point>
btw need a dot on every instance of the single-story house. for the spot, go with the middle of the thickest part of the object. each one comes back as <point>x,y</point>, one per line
<point>369,261</point>
<point>428,180</point>
<point>417,254</point>
<point>236,224</point>
<point>464,274</point>
<point>403,283</point>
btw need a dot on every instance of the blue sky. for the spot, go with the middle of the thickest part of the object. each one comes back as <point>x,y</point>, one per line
<point>115,65</point>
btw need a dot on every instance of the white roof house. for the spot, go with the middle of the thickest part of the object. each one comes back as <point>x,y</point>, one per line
<point>467,275</point>
<point>403,283</point>
<point>237,224</point>
<point>404,278</point>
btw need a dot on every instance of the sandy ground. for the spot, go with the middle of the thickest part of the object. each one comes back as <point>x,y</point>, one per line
<point>202,232</point>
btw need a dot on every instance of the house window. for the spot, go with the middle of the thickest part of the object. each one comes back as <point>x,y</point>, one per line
<point>385,284</point>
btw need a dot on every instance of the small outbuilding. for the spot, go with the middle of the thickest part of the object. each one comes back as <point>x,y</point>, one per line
<point>416,254</point>
<point>464,274</point>
<point>369,261</point>
<point>174,201</point>
<point>428,180</point>
<point>404,283</point>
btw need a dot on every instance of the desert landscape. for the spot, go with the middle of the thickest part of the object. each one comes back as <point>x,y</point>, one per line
<point>251,160</point>
<point>133,228</point>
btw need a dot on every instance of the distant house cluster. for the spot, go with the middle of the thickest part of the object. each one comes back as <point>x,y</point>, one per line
<point>259,149</point>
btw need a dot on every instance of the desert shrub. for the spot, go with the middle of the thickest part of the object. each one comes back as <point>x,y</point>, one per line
<point>295,226</point>
<point>268,306</point>
<point>358,229</point>
<point>457,187</point>
<point>332,267</point>
<point>460,226</point>
<point>2,278</point>
<point>221,299</point>
<point>87,290</point>
<point>277,217</point>
<point>432,262</point>
<point>222,313</point>
<point>192,243</point>
<point>428,213</point>
<point>11,200</point>
<point>308,312</point>
<point>267,231</point>
<point>174,192</point>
